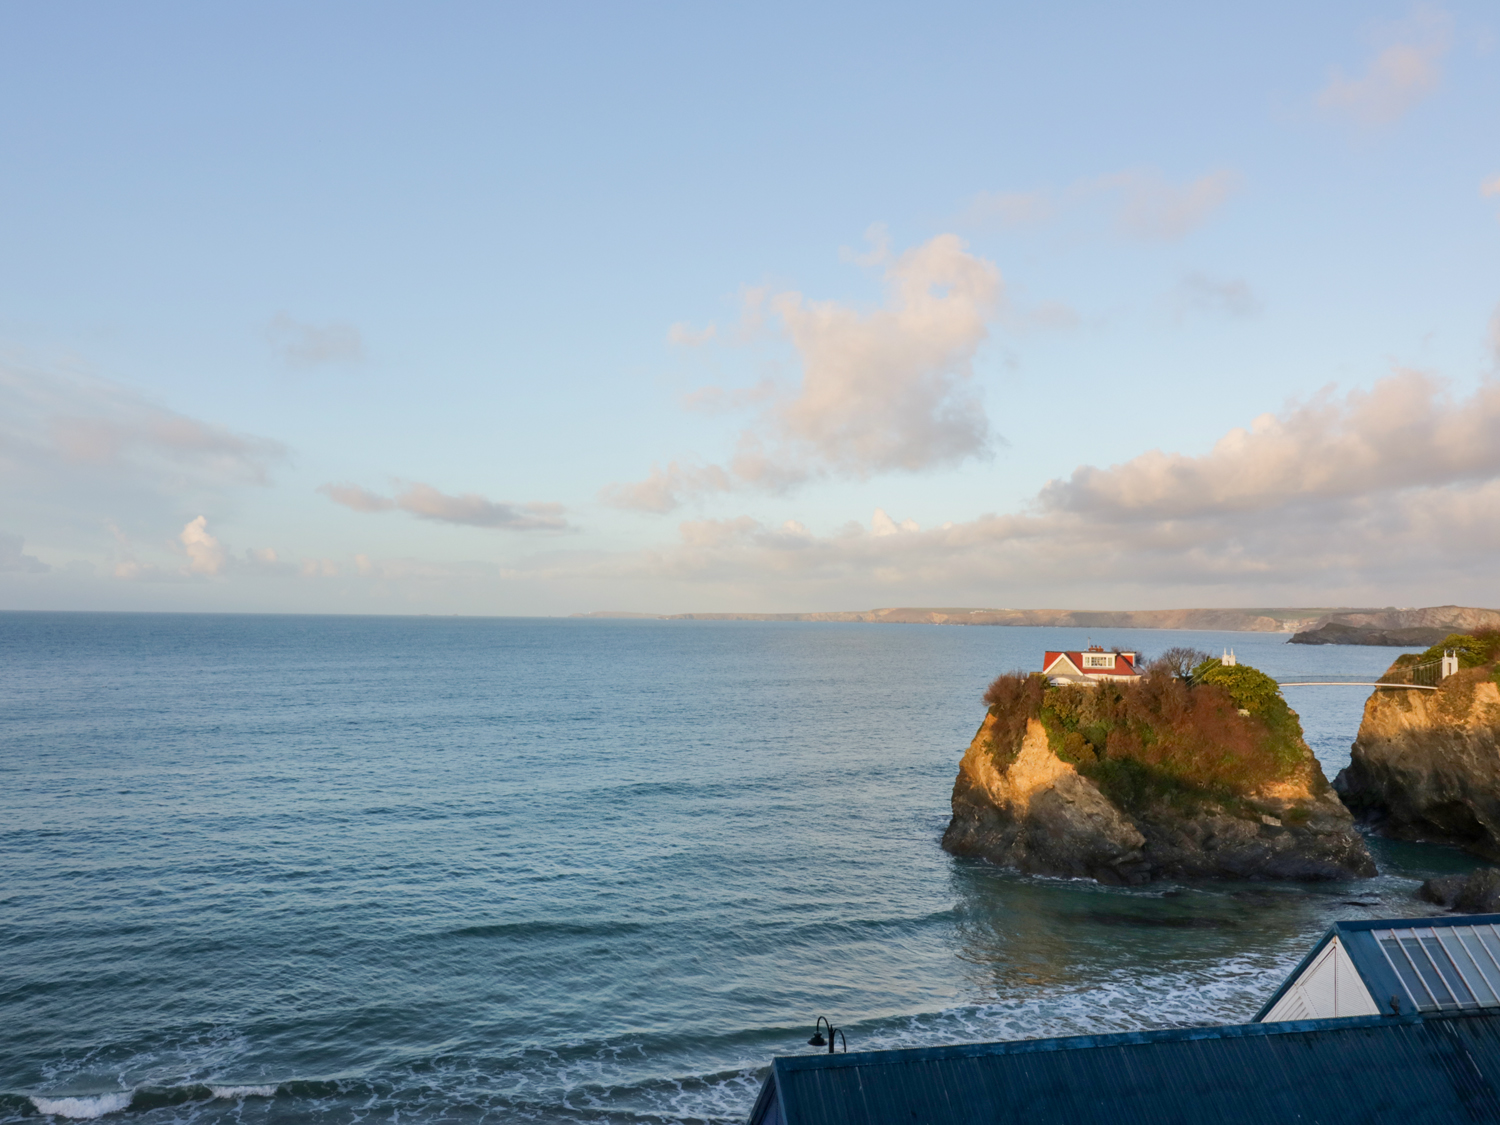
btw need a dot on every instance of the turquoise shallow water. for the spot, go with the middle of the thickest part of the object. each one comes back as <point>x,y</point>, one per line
<point>446,869</point>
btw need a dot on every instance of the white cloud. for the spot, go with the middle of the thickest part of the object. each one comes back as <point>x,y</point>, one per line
<point>206,555</point>
<point>1490,187</point>
<point>1400,75</point>
<point>1395,488</point>
<point>722,400</point>
<point>664,489</point>
<point>1009,209</point>
<point>884,390</point>
<point>1153,208</point>
<point>1405,432</point>
<point>685,335</point>
<point>469,509</point>
<point>1140,202</point>
<point>306,345</point>
<point>878,236</point>
<point>881,389</point>
<point>266,561</point>
<point>882,524</point>
<point>14,560</point>
<point>359,499</point>
<point>54,422</point>
<point>1228,297</point>
<point>77,451</point>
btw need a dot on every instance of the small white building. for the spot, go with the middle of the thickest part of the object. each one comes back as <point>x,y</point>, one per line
<point>1394,967</point>
<point>1089,666</point>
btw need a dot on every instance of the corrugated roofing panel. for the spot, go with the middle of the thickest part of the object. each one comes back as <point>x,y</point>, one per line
<point>1410,1069</point>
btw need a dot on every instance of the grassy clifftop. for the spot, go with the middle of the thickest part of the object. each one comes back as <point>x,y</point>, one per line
<point>1212,735</point>
<point>1479,650</point>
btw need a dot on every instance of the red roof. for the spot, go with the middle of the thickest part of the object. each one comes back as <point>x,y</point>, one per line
<point>1092,662</point>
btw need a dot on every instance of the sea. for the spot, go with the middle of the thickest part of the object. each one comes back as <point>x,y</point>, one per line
<point>446,869</point>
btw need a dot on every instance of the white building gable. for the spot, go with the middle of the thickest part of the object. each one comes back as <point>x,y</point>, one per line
<point>1328,988</point>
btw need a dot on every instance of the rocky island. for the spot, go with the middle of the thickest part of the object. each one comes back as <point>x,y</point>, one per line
<point>1426,764</point>
<point>1197,769</point>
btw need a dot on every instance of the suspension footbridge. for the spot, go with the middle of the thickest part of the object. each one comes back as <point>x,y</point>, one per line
<point>1352,683</point>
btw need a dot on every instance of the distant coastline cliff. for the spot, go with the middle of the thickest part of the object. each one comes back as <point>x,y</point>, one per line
<point>1173,776</point>
<point>1426,764</point>
<point>1293,620</point>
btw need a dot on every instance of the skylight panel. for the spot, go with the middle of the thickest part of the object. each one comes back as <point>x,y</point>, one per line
<point>1451,967</point>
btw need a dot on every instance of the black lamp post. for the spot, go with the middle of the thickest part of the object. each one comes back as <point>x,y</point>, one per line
<point>817,1039</point>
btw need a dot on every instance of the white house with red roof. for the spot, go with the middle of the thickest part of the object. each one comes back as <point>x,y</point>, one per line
<point>1090,665</point>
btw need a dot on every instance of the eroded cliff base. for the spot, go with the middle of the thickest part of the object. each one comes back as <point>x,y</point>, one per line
<point>1059,781</point>
<point>1426,764</point>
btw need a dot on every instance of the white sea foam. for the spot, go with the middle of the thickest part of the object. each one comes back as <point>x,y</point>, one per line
<point>232,1092</point>
<point>83,1108</point>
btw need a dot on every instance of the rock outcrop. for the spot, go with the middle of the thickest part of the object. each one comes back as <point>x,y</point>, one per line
<point>1478,892</point>
<point>1019,803</point>
<point>1334,633</point>
<point>1426,764</point>
<point>1040,815</point>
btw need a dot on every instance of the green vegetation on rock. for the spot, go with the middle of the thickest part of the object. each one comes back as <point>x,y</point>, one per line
<point>1475,650</point>
<point>1213,737</point>
<point>1250,688</point>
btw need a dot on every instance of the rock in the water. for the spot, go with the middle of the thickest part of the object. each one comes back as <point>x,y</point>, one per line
<point>1335,633</point>
<point>1478,892</point>
<point>1481,893</point>
<point>1442,890</point>
<point>1039,815</point>
<point>1123,813</point>
<point>1426,764</point>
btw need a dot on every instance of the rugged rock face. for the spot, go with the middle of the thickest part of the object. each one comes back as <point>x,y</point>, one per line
<point>1040,815</point>
<point>1475,893</point>
<point>1334,633</point>
<point>1426,765</point>
<point>1037,813</point>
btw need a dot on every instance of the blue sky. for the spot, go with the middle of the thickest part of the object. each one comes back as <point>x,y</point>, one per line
<point>503,309</point>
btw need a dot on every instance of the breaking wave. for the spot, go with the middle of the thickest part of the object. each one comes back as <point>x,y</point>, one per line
<point>82,1108</point>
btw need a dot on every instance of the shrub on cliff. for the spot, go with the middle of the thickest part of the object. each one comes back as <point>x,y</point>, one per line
<point>1159,739</point>
<point>1178,662</point>
<point>1475,650</point>
<point>1249,687</point>
<point>1013,698</point>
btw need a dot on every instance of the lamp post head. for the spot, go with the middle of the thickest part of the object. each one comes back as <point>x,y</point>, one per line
<point>817,1040</point>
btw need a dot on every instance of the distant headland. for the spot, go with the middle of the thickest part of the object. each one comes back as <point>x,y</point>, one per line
<point>1352,625</point>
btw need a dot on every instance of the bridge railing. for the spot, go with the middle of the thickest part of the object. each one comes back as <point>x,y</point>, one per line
<point>1429,673</point>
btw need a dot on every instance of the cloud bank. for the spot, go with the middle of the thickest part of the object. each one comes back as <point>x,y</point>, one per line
<point>881,390</point>
<point>80,454</point>
<point>1392,487</point>
<point>1400,75</point>
<point>14,560</point>
<point>467,510</point>
<point>1140,203</point>
<point>1228,297</point>
<point>306,345</point>
<point>1380,494</point>
<point>56,425</point>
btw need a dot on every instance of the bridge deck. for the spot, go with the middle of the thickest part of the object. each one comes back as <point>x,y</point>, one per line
<point>1348,683</point>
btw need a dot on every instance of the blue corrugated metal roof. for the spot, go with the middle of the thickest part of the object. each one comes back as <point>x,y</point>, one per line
<point>1410,1069</point>
<point>1359,939</point>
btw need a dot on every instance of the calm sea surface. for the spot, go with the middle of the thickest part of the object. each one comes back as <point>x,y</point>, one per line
<point>450,869</point>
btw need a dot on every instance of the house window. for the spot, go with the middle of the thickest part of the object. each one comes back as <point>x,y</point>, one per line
<point>1098,660</point>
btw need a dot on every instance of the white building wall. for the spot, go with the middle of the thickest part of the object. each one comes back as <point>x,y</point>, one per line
<point>1328,988</point>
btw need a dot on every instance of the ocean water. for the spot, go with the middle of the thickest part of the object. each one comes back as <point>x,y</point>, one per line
<point>334,869</point>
